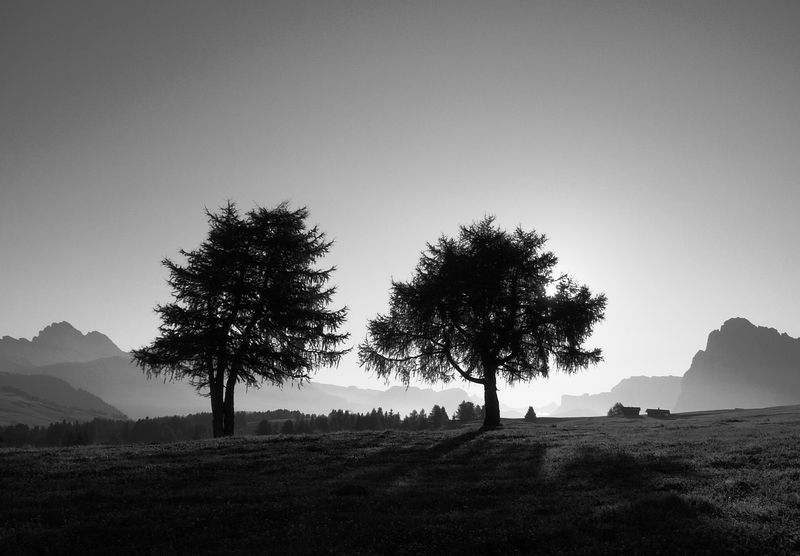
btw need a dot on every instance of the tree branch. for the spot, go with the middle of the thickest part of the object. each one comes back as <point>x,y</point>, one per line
<point>458,368</point>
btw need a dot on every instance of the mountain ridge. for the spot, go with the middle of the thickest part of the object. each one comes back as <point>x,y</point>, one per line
<point>58,342</point>
<point>743,365</point>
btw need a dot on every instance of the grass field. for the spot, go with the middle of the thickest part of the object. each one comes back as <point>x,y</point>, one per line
<point>715,483</point>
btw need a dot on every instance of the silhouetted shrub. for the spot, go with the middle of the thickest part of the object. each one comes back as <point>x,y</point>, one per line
<point>616,410</point>
<point>619,410</point>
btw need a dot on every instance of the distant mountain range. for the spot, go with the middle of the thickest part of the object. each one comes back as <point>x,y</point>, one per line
<point>743,366</point>
<point>30,395</point>
<point>64,374</point>
<point>93,363</point>
<point>58,343</point>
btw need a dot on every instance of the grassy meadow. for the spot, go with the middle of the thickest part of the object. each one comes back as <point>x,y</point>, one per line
<point>713,483</point>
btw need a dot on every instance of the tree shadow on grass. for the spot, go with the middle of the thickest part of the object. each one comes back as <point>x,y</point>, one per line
<point>452,496</point>
<point>453,443</point>
<point>619,469</point>
<point>392,467</point>
<point>620,502</point>
<point>397,493</point>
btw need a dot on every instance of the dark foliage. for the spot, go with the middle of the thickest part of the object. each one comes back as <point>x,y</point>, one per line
<point>465,411</point>
<point>108,431</point>
<point>249,307</point>
<point>438,417</point>
<point>483,306</point>
<point>468,411</point>
<point>530,415</point>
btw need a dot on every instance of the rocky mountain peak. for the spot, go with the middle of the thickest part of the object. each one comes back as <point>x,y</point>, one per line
<point>59,342</point>
<point>743,365</point>
<point>65,336</point>
<point>61,334</point>
<point>740,340</point>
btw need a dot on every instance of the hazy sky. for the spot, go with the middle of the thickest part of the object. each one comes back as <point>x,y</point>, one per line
<point>657,144</point>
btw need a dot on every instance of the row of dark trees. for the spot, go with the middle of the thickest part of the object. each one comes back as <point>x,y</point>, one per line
<point>250,306</point>
<point>340,420</point>
<point>108,431</point>
<point>198,426</point>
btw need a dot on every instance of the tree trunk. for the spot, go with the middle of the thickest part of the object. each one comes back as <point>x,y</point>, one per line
<point>491,408</point>
<point>217,406</point>
<point>228,410</point>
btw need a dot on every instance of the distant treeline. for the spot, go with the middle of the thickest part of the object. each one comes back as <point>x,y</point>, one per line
<point>198,426</point>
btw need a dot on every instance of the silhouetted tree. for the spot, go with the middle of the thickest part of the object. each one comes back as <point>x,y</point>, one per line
<point>484,305</point>
<point>414,421</point>
<point>530,416</point>
<point>438,417</point>
<point>321,423</point>
<point>249,307</point>
<point>423,421</point>
<point>465,411</point>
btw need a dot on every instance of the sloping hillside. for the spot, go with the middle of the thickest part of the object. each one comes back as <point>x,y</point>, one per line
<point>59,392</point>
<point>19,407</point>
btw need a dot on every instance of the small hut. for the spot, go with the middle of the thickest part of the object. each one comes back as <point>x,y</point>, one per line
<point>630,411</point>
